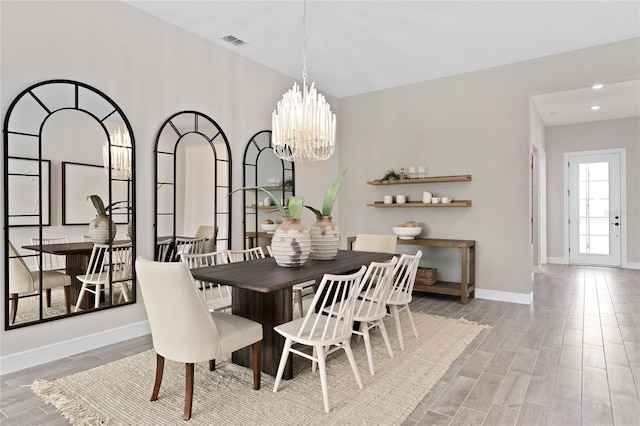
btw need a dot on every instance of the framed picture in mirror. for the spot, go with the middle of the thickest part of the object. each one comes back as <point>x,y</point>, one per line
<point>23,190</point>
<point>79,181</point>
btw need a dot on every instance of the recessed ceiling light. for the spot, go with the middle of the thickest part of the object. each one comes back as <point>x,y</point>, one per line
<point>597,86</point>
<point>595,107</point>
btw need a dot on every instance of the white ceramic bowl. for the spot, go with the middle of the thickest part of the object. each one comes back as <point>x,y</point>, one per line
<point>407,233</point>
<point>269,227</point>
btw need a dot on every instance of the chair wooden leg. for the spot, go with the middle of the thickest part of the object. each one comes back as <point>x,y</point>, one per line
<point>188,391</point>
<point>396,315</point>
<point>13,308</point>
<point>256,363</point>
<point>67,298</point>
<point>283,363</point>
<point>83,289</point>
<point>212,365</point>
<point>159,371</point>
<point>322,366</point>
<point>48,297</point>
<point>299,292</point>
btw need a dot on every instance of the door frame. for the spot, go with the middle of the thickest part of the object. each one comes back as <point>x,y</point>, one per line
<point>623,199</point>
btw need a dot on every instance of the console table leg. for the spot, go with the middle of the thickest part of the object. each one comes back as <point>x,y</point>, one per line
<point>463,275</point>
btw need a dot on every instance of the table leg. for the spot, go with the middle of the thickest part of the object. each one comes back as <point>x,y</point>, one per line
<point>463,275</point>
<point>472,270</point>
<point>270,310</point>
<point>76,264</point>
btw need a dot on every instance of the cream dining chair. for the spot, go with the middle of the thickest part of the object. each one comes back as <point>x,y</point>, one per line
<point>217,297</point>
<point>23,281</point>
<point>326,331</point>
<point>375,243</point>
<point>184,330</point>
<point>401,292</point>
<point>210,233</point>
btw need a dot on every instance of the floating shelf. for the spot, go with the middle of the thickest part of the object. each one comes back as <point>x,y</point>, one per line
<point>455,203</point>
<point>431,179</point>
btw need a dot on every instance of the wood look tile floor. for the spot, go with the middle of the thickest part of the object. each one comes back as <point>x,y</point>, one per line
<point>571,358</point>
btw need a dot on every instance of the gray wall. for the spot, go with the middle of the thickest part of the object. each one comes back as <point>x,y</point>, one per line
<point>607,134</point>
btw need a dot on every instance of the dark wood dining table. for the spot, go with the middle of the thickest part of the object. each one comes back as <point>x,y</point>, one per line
<point>261,291</point>
<point>76,263</point>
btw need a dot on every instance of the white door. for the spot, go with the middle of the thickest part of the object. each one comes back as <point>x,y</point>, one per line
<point>595,226</point>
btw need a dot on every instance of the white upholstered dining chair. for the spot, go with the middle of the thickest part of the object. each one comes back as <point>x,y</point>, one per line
<point>210,233</point>
<point>184,330</point>
<point>326,331</point>
<point>23,281</point>
<point>375,243</point>
<point>217,297</point>
<point>107,265</point>
<point>400,297</point>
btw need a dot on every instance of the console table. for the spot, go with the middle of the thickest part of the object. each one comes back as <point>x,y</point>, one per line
<point>466,287</point>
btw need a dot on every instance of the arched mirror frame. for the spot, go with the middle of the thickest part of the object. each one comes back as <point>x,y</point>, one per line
<point>256,147</point>
<point>216,141</point>
<point>50,108</point>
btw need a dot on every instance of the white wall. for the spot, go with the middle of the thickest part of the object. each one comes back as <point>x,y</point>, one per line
<point>151,70</point>
<point>475,123</point>
<point>606,134</point>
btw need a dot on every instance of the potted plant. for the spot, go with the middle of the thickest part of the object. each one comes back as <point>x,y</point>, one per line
<point>99,227</point>
<point>390,176</point>
<point>325,235</point>
<point>291,241</point>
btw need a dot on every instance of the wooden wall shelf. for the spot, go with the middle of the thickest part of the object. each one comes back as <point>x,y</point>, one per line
<point>431,179</point>
<point>454,203</point>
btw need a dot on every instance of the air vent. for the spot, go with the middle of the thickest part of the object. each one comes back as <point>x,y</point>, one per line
<point>233,40</point>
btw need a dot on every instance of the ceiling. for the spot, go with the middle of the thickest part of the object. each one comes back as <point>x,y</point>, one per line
<point>356,47</point>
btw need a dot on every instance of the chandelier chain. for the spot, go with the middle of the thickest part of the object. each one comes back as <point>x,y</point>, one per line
<point>304,43</point>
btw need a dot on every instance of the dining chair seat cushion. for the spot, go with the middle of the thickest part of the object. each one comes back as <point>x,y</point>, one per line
<point>293,329</point>
<point>235,331</point>
<point>50,279</point>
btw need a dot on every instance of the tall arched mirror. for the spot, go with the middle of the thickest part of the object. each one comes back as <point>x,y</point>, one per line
<point>193,180</point>
<point>264,169</point>
<point>64,141</point>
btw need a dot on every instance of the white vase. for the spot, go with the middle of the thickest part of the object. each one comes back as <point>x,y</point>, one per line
<point>99,229</point>
<point>291,243</point>
<point>325,238</point>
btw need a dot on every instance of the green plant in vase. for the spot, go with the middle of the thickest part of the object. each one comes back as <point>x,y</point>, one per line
<point>291,241</point>
<point>101,229</point>
<point>325,235</point>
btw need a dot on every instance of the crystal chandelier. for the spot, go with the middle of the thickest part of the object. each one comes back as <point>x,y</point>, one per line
<point>304,128</point>
<point>120,154</point>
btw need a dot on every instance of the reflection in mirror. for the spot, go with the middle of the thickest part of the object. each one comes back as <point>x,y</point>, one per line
<point>54,133</point>
<point>193,179</point>
<point>264,169</point>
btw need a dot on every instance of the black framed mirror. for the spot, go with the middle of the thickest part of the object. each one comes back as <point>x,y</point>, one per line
<point>59,148</point>
<point>193,181</point>
<point>263,168</point>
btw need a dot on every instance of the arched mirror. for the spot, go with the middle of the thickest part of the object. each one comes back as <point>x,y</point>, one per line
<point>64,141</point>
<point>193,180</point>
<point>264,169</point>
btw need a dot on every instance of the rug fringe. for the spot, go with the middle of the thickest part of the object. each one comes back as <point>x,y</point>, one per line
<point>462,320</point>
<point>73,411</point>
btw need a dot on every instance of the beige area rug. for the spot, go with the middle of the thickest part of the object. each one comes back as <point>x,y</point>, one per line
<point>29,307</point>
<point>118,393</point>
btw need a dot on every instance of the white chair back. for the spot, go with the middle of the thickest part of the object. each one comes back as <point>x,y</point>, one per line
<point>248,254</point>
<point>210,233</point>
<point>189,245</point>
<point>376,289</point>
<point>20,278</point>
<point>376,243</point>
<point>404,277</point>
<point>109,264</point>
<point>51,262</point>
<point>164,252</point>
<point>336,325</point>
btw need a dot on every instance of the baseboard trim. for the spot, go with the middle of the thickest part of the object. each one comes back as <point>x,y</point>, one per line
<point>557,260</point>
<point>505,296</point>
<point>55,351</point>
<point>633,265</point>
